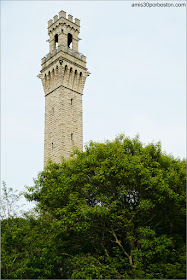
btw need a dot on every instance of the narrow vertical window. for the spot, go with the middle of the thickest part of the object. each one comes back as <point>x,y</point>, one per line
<point>48,80</point>
<point>71,136</point>
<point>52,146</point>
<point>53,76</point>
<point>53,110</point>
<point>56,41</point>
<point>45,80</point>
<point>71,101</point>
<point>69,40</point>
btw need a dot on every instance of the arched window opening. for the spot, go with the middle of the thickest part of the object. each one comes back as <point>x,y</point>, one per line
<point>45,80</point>
<point>80,79</point>
<point>49,74</point>
<point>53,75</point>
<point>56,41</point>
<point>49,79</point>
<point>70,75</point>
<point>56,73</point>
<point>65,74</point>
<point>69,40</point>
<point>65,69</point>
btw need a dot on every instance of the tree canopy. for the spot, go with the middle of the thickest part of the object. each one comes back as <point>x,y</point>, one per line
<point>115,211</point>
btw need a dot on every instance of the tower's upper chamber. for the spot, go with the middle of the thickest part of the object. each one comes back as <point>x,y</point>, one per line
<point>63,65</point>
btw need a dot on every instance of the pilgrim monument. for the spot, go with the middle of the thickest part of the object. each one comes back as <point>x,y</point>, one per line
<point>63,74</point>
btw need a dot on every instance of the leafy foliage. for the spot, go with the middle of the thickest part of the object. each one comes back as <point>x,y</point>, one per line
<point>115,211</point>
<point>9,202</point>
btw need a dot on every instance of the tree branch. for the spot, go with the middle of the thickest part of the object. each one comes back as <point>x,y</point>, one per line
<point>119,243</point>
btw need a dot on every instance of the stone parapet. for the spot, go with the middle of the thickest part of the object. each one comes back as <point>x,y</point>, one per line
<point>61,19</point>
<point>67,52</point>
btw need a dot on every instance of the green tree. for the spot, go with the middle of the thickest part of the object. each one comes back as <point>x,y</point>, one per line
<point>115,211</point>
<point>119,208</point>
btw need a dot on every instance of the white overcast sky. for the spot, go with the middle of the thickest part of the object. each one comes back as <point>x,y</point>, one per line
<point>137,60</point>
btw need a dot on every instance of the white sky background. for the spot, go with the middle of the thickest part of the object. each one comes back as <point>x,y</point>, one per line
<point>137,60</point>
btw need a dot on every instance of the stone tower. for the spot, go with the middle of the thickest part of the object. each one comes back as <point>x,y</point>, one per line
<point>63,76</point>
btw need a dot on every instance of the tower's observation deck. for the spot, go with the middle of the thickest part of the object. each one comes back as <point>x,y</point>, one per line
<point>63,74</point>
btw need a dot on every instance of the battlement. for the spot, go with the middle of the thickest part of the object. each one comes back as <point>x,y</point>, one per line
<point>62,15</point>
<point>65,50</point>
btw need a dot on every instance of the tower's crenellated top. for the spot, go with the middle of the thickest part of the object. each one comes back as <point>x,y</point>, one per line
<point>62,19</point>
